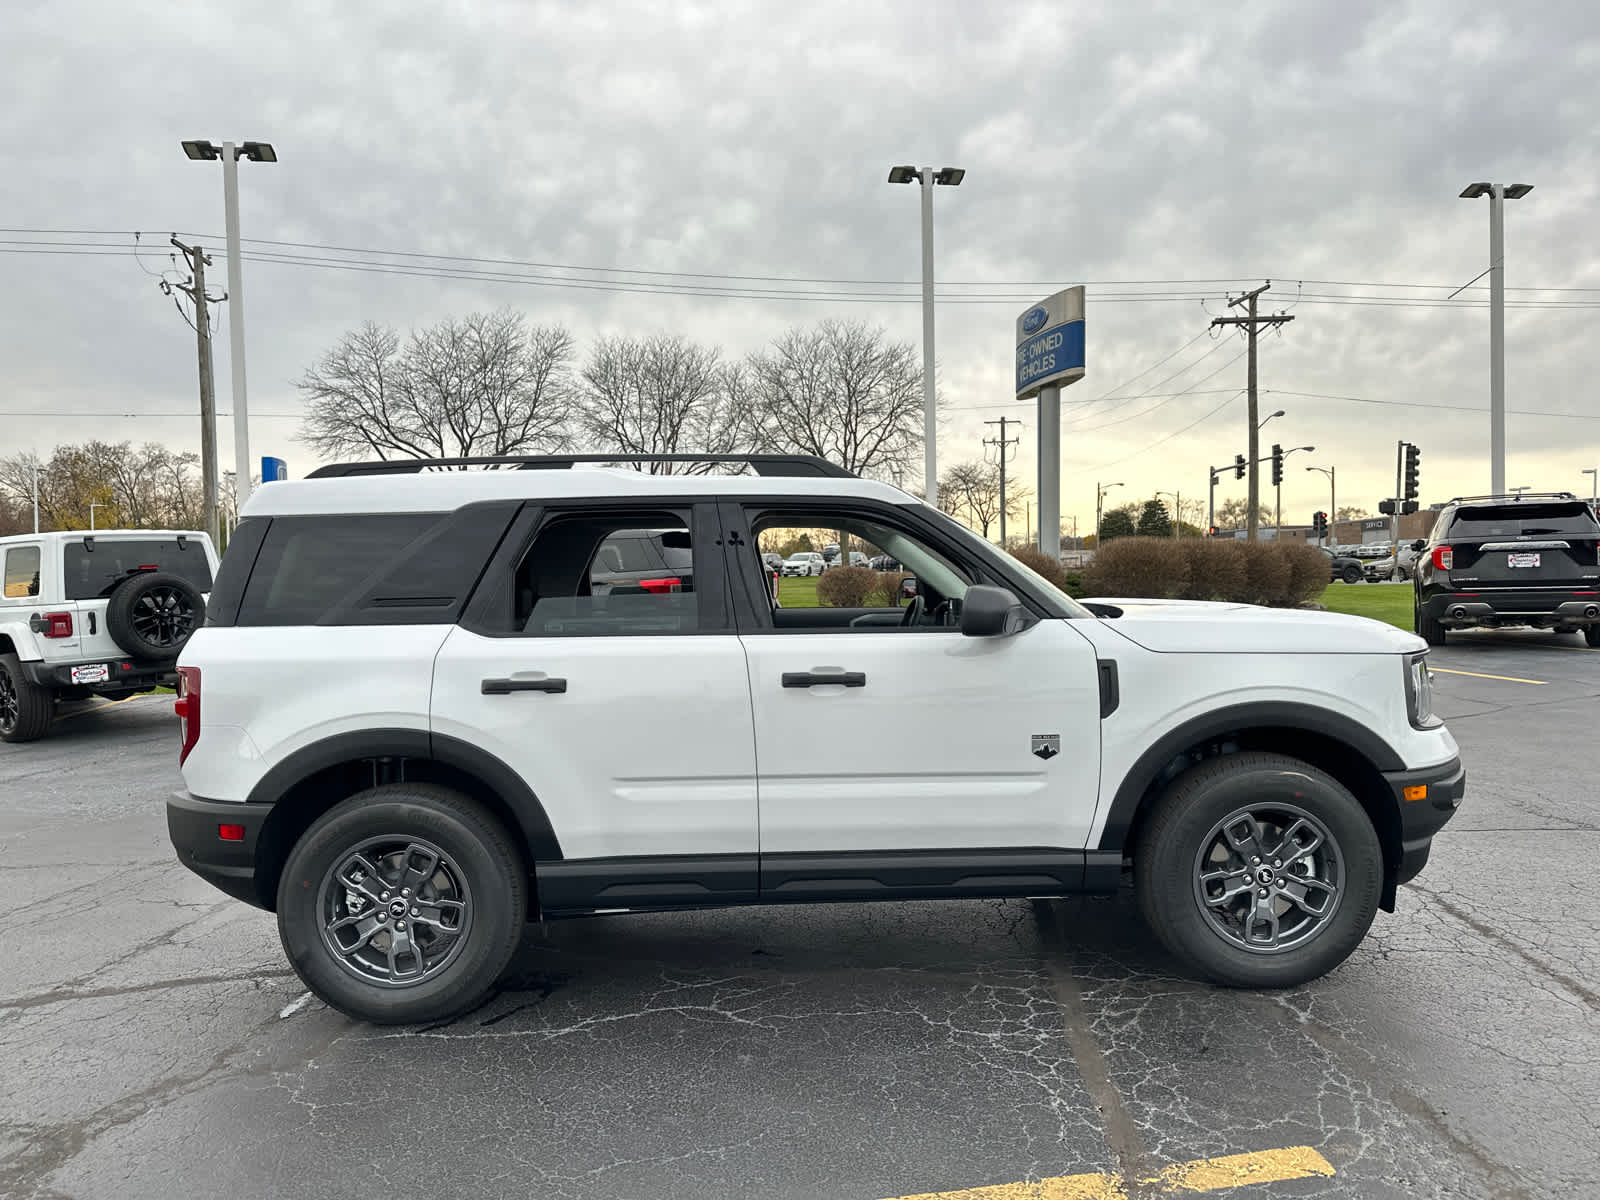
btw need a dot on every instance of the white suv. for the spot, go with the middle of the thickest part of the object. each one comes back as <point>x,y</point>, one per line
<point>101,613</point>
<point>411,723</point>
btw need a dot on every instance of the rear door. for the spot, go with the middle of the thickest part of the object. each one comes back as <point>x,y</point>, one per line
<point>95,565</point>
<point>625,711</point>
<point>1537,544</point>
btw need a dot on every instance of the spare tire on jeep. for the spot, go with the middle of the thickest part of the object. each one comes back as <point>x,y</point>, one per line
<point>152,615</point>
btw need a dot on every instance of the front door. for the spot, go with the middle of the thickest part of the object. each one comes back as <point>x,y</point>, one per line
<point>882,731</point>
<point>624,708</point>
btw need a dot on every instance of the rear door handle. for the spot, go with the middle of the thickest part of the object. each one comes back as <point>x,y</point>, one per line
<point>805,679</point>
<point>504,687</point>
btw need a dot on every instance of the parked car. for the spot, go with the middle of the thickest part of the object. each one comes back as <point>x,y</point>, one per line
<point>774,561</point>
<point>1528,559</point>
<point>806,562</point>
<point>1344,567</point>
<point>421,729</point>
<point>94,614</point>
<point>858,559</point>
<point>884,562</point>
<point>648,560</point>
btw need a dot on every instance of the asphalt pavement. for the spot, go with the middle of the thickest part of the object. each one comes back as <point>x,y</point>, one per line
<point>154,1042</point>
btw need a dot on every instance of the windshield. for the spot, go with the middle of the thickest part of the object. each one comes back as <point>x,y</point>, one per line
<point>1522,520</point>
<point>1062,605</point>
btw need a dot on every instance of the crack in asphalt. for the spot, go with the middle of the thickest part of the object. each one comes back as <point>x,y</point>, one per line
<point>66,993</point>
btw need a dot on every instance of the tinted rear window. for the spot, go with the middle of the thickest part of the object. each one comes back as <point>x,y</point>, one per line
<point>371,569</point>
<point>1515,520</point>
<point>95,572</point>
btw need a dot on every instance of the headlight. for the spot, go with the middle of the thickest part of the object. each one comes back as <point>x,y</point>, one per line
<point>1419,692</point>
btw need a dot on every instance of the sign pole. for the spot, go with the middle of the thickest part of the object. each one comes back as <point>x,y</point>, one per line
<point>1050,471</point>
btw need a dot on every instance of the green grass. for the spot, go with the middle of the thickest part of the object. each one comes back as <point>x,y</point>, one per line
<point>1390,602</point>
<point>799,591</point>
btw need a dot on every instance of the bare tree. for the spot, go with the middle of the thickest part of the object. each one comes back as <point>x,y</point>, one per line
<point>842,391</point>
<point>971,491</point>
<point>664,395</point>
<point>484,385</point>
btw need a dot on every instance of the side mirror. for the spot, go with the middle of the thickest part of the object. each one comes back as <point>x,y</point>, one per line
<point>1419,544</point>
<point>991,612</point>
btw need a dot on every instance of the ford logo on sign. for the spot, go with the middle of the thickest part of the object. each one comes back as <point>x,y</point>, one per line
<point>1033,320</point>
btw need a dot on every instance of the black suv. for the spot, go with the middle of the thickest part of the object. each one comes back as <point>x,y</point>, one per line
<point>1510,560</point>
<point>1343,566</point>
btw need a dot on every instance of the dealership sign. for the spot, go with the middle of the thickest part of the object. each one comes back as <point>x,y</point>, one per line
<point>1050,343</point>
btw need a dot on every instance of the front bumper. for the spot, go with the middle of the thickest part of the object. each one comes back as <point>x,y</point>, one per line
<point>121,673</point>
<point>1442,788</point>
<point>1512,606</point>
<point>192,824</point>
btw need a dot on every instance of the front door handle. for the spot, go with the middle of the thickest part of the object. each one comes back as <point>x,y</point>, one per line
<point>504,687</point>
<point>805,679</point>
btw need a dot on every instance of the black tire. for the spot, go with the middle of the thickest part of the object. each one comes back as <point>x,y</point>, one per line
<point>1168,867</point>
<point>153,615</point>
<point>1352,574</point>
<point>1591,634</point>
<point>1427,628</point>
<point>26,709</point>
<point>479,863</point>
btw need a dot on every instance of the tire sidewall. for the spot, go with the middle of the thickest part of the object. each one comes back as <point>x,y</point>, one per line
<point>35,705</point>
<point>119,615</point>
<point>1167,864</point>
<point>470,840</point>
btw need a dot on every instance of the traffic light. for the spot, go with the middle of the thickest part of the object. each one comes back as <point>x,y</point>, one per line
<point>1277,464</point>
<point>1238,466</point>
<point>1412,472</point>
<point>1319,524</point>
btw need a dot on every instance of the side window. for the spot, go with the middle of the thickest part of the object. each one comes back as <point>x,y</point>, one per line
<point>22,572</point>
<point>902,581</point>
<point>606,574</point>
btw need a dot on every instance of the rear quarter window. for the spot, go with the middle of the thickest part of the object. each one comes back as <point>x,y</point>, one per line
<point>1518,520</point>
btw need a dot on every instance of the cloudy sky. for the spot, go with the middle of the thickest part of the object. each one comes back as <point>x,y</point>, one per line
<point>1162,155</point>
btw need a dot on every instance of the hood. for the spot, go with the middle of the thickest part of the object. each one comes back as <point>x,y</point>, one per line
<point>1214,627</point>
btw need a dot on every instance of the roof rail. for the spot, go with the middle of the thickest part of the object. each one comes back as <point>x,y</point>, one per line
<point>763,464</point>
<point>1513,497</point>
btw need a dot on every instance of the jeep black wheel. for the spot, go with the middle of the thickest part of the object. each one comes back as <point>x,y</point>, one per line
<point>402,904</point>
<point>1259,870</point>
<point>26,709</point>
<point>152,616</point>
<point>1427,628</point>
<point>1352,574</point>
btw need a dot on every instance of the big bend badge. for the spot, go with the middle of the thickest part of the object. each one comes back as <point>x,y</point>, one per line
<point>1046,745</point>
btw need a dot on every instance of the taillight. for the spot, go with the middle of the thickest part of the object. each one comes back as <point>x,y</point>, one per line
<point>57,625</point>
<point>1443,558</point>
<point>659,587</point>
<point>187,706</point>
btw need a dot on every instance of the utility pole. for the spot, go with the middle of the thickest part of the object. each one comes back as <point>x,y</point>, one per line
<point>1002,442</point>
<point>196,291</point>
<point>1252,324</point>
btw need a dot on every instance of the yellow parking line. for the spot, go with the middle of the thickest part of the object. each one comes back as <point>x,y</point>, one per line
<point>102,707</point>
<point>1481,675</point>
<point>1205,1175</point>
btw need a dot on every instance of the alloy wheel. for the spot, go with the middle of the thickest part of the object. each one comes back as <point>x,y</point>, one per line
<point>1268,877</point>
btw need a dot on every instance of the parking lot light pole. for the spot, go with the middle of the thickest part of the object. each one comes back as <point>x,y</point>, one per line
<point>928,178</point>
<point>1333,501</point>
<point>1177,510</point>
<point>1497,193</point>
<point>230,154</point>
<point>1100,489</point>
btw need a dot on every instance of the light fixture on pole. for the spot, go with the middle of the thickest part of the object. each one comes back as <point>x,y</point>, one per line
<point>1277,520</point>
<point>928,178</point>
<point>230,154</point>
<point>1333,499</point>
<point>1269,417</point>
<point>1100,489</point>
<point>92,507</point>
<point>1497,321</point>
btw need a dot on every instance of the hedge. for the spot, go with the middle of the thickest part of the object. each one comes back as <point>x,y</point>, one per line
<point>1281,575</point>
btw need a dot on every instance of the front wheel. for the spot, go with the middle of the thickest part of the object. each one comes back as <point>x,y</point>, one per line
<point>1259,870</point>
<point>402,904</point>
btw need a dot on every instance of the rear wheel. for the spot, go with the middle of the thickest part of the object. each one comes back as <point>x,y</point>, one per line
<point>1352,574</point>
<point>26,709</point>
<point>402,904</point>
<point>1427,628</point>
<point>1259,870</point>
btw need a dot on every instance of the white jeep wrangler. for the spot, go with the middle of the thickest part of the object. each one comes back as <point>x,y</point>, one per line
<point>415,720</point>
<point>94,614</point>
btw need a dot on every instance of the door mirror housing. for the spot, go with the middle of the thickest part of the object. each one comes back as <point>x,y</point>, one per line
<point>1419,544</point>
<point>991,612</point>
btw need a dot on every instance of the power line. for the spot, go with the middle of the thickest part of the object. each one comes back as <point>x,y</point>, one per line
<point>1521,412</point>
<point>1170,436</point>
